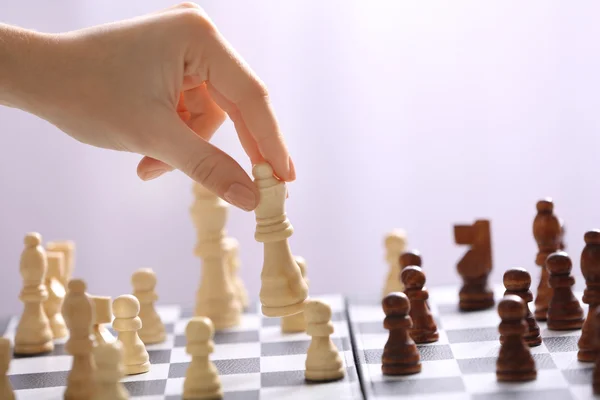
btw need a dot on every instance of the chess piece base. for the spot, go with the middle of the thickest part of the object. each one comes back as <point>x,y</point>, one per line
<point>565,325</point>
<point>587,355</point>
<point>137,369</point>
<point>31,349</point>
<point>518,376</point>
<point>324,375</point>
<point>283,311</point>
<point>203,395</point>
<point>400,369</point>
<point>423,336</point>
<point>533,341</point>
<point>541,314</point>
<point>470,304</point>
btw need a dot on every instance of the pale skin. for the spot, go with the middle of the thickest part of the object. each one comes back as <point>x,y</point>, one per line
<point>159,85</point>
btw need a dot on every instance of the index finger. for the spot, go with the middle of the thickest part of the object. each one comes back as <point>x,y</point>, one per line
<point>233,78</point>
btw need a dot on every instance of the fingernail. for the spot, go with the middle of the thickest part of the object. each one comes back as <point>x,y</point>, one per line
<point>292,169</point>
<point>241,196</point>
<point>149,175</point>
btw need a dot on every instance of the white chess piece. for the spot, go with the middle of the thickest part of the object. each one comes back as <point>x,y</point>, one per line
<point>33,335</point>
<point>67,247</point>
<point>144,283</point>
<point>109,372</point>
<point>6,389</point>
<point>323,361</point>
<point>127,323</point>
<point>283,291</point>
<point>78,311</point>
<point>216,297</point>
<point>296,322</point>
<point>56,294</point>
<point>201,378</point>
<point>395,245</point>
<point>103,316</point>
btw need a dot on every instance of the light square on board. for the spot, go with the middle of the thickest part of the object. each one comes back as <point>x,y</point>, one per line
<point>487,382</point>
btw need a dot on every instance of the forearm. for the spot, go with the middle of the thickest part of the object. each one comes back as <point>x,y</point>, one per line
<point>22,54</point>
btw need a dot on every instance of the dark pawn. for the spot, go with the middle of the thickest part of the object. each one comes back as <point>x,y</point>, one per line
<point>514,363</point>
<point>424,329</point>
<point>548,235</point>
<point>400,355</point>
<point>564,310</point>
<point>596,373</point>
<point>590,268</point>
<point>517,281</point>
<point>411,257</point>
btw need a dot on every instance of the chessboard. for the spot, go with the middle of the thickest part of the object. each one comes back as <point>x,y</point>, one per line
<point>462,363</point>
<point>255,360</point>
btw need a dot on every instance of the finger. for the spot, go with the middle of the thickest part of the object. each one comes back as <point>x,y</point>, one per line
<point>151,168</point>
<point>218,62</point>
<point>248,143</point>
<point>205,115</point>
<point>185,150</point>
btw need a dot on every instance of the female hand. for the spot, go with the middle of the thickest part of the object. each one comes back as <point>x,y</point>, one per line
<point>158,85</point>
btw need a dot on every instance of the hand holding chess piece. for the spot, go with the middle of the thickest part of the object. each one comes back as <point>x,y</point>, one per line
<point>283,291</point>
<point>33,335</point>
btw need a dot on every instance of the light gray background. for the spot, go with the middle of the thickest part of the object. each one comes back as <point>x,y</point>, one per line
<point>416,115</point>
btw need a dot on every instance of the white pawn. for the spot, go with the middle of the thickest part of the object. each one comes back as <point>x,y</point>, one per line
<point>296,322</point>
<point>33,335</point>
<point>201,378</point>
<point>109,372</point>
<point>6,389</point>
<point>127,323</point>
<point>144,283</point>
<point>395,245</point>
<point>102,317</point>
<point>56,294</point>
<point>323,361</point>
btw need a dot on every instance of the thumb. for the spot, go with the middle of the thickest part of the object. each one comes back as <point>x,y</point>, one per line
<point>207,165</point>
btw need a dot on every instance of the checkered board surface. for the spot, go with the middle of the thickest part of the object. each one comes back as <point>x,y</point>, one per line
<point>462,364</point>
<point>255,361</point>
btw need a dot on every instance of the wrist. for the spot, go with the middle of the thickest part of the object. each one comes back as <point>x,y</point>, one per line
<point>24,56</point>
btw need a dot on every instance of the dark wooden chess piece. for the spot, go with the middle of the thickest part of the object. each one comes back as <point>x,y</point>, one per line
<point>590,268</point>
<point>411,257</point>
<point>596,372</point>
<point>514,363</point>
<point>400,354</point>
<point>564,310</point>
<point>475,266</point>
<point>562,245</point>
<point>424,329</point>
<point>548,236</point>
<point>517,281</point>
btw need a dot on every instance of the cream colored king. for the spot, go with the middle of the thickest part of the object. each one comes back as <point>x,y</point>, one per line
<point>283,290</point>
